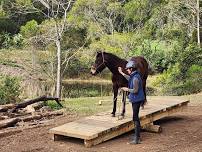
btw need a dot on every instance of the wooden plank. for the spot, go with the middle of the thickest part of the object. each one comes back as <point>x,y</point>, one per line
<point>101,127</point>
<point>104,136</point>
<point>109,134</point>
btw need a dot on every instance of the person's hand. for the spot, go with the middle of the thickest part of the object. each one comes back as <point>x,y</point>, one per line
<point>120,70</point>
<point>124,89</point>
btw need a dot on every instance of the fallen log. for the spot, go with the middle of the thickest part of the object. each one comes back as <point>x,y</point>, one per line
<point>4,108</point>
<point>9,122</point>
<point>28,102</point>
<point>39,115</point>
<point>54,113</point>
<point>3,117</point>
<point>29,118</point>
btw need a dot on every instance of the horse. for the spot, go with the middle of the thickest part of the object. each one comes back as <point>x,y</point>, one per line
<point>112,62</point>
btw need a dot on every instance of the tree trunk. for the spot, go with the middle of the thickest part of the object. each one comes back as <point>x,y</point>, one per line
<point>198,23</point>
<point>58,83</point>
<point>4,108</point>
<point>28,102</point>
<point>9,122</point>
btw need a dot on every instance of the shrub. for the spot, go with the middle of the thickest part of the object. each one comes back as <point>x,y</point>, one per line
<point>17,40</point>
<point>172,83</point>
<point>30,29</point>
<point>160,54</point>
<point>9,89</point>
<point>5,40</point>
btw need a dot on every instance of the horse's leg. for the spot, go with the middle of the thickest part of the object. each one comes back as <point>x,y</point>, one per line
<point>144,90</point>
<point>123,104</point>
<point>115,89</point>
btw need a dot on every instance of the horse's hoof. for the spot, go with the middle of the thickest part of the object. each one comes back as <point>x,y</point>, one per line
<point>120,117</point>
<point>113,114</point>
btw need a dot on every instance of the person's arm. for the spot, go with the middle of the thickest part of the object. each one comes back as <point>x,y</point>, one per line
<point>135,86</point>
<point>123,74</point>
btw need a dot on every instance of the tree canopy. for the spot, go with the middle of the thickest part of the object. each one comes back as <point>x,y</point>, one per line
<point>166,32</point>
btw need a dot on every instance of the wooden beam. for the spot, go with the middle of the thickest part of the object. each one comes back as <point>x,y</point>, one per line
<point>152,128</point>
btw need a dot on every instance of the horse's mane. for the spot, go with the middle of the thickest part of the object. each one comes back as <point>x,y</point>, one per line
<point>115,58</point>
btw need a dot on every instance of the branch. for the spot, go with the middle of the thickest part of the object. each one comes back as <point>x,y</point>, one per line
<point>67,60</point>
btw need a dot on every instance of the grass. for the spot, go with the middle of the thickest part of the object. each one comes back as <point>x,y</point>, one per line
<point>90,105</point>
<point>87,105</point>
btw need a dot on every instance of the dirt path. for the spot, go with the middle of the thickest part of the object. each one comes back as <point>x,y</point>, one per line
<point>181,132</point>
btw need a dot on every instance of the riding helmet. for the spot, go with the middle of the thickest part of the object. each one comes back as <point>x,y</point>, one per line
<point>131,64</point>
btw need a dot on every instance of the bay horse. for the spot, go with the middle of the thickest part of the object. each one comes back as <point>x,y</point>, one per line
<point>112,62</point>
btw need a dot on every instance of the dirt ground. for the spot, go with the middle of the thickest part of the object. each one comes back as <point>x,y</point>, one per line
<point>181,132</point>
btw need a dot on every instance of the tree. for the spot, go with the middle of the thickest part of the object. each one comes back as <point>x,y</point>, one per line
<point>198,23</point>
<point>187,13</point>
<point>57,11</point>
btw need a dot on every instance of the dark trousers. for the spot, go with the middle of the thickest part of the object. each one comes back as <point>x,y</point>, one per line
<point>136,109</point>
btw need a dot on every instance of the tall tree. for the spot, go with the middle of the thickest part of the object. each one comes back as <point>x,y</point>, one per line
<point>198,23</point>
<point>57,10</point>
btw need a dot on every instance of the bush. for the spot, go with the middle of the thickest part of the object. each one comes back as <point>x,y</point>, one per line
<point>17,40</point>
<point>5,40</point>
<point>160,54</point>
<point>172,83</point>
<point>9,89</point>
<point>192,55</point>
<point>30,29</point>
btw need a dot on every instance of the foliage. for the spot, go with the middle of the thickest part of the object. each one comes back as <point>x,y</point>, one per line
<point>192,55</point>
<point>9,89</point>
<point>6,40</point>
<point>160,54</point>
<point>9,41</point>
<point>179,80</point>
<point>7,25</point>
<point>18,41</point>
<point>118,43</point>
<point>30,29</point>
<point>163,31</point>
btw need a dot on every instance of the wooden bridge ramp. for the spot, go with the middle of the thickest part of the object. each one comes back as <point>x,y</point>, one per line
<point>102,127</point>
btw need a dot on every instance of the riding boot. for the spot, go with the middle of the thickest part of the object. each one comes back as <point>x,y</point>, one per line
<point>136,138</point>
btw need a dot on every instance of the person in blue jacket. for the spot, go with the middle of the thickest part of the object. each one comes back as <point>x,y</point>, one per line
<point>136,95</point>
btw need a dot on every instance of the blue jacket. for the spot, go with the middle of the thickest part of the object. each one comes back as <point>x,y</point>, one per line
<point>139,96</point>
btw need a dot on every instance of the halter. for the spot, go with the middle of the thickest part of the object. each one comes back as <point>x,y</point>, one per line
<point>103,62</point>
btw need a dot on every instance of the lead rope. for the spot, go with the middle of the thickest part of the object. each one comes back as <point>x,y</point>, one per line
<point>119,105</point>
<point>117,98</point>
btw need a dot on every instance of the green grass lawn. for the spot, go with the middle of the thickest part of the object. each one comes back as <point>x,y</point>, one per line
<point>87,106</point>
<point>90,105</point>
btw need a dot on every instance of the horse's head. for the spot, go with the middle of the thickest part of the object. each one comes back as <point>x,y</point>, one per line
<point>99,64</point>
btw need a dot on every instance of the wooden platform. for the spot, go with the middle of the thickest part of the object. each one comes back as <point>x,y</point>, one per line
<point>102,127</point>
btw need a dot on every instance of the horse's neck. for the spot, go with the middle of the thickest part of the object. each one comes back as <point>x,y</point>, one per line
<point>114,63</point>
